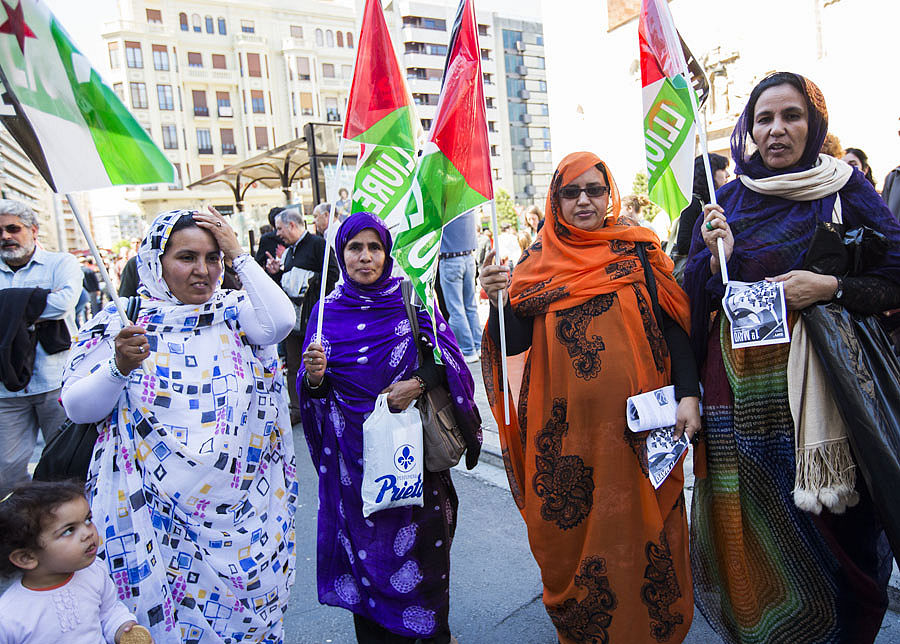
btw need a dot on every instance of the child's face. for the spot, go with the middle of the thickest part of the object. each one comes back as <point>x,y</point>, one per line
<point>69,540</point>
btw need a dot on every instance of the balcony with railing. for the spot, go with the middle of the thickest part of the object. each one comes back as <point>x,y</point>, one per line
<point>201,110</point>
<point>333,116</point>
<point>204,149</point>
<point>229,148</point>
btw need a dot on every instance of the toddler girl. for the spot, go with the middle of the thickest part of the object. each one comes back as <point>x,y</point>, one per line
<point>62,594</point>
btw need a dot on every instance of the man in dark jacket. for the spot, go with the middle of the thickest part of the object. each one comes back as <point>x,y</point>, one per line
<point>299,271</point>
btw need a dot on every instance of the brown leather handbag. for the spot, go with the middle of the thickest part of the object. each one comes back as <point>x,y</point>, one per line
<point>443,440</point>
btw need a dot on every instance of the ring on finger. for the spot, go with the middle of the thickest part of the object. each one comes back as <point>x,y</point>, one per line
<point>709,225</point>
<point>219,224</point>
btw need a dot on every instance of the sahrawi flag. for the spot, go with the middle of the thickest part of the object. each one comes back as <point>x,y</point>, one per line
<point>669,124</point>
<point>454,173</point>
<point>74,128</point>
<point>381,117</point>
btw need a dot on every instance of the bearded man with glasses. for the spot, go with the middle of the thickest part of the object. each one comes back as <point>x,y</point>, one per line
<point>38,293</point>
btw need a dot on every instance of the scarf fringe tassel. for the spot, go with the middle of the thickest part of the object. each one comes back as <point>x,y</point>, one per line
<point>826,477</point>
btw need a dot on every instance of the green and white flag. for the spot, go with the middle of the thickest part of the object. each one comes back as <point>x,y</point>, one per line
<point>72,126</point>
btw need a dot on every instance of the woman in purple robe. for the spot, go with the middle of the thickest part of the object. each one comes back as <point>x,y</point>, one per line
<point>390,569</point>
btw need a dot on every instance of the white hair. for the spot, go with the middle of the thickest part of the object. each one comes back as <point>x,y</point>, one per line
<point>18,209</point>
<point>291,214</point>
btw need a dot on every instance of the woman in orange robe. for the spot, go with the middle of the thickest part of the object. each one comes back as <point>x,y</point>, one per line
<point>613,551</point>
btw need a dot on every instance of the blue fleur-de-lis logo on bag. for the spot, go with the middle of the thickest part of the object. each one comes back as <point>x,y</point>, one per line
<point>404,459</point>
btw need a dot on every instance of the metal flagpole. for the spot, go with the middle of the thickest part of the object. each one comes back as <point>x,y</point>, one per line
<point>503,374</point>
<point>329,241</point>
<point>107,282</point>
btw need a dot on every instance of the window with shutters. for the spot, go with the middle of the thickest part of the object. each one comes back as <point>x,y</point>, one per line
<point>248,27</point>
<point>170,137</point>
<point>114,55</point>
<point>134,58</point>
<point>204,141</point>
<point>195,59</point>
<point>195,22</point>
<point>303,68</point>
<point>329,38</point>
<point>257,101</point>
<point>320,38</point>
<point>164,94</point>
<point>119,89</point>
<point>350,40</point>
<point>183,22</point>
<point>327,70</point>
<point>223,100</point>
<point>160,58</point>
<point>218,61</point>
<point>199,98</point>
<point>227,136</point>
<point>262,138</point>
<point>138,95</point>
<point>306,103</point>
<point>296,31</point>
<point>206,170</point>
<point>154,16</point>
<point>331,110</point>
<point>340,38</point>
<point>253,67</point>
<point>223,31</point>
<point>210,25</point>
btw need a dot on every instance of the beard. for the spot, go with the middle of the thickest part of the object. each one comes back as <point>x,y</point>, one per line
<point>17,253</point>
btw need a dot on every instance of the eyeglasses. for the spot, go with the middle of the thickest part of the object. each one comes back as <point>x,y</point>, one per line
<point>592,190</point>
<point>12,229</point>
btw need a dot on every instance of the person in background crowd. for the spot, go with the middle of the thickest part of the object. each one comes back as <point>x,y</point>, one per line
<point>457,276</point>
<point>832,146</point>
<point>890,191</point>
<point>299,272</point>
<point>631,209</point>
<point>859,160</point>
<point>320,217</point>
<point>269,242</point>
<point>192,480</point>
<point>128,280</point>
<point>92,283</point>
<point>36,286</point>
<point>684,226</point>
<point>342,205</point>
<point>392,569</point>
<point>764,569</point>
<point>613,551</point>
<point>485,243</point>
<point>508,246</point>
<point>534,218</point>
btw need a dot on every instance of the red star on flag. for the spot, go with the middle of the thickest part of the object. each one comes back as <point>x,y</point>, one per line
<point>15,24</point>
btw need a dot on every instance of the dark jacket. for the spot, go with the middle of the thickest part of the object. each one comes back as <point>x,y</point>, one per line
<point>19,309</point>
<point>891,192</point>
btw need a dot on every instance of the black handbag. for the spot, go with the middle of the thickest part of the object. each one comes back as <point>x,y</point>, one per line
<point>443,440</point>
<point>68,454</point>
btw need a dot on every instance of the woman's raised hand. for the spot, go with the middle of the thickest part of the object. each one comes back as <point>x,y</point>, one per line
<point>687,417</point>
<point>218,225</point>
<point>314,361</point>
<point>131,348</point>
<point>713,227</point>
<point>494,279</point>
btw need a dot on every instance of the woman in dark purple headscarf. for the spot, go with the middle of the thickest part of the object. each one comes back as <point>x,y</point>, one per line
<point>766,570</point>
<point>392,568</point>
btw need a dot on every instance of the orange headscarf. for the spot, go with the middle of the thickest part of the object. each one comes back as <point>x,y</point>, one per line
<point>567,266</point>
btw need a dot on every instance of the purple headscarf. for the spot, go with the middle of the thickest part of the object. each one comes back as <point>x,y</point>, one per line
<point>351,227</point>
<point>772,234</point>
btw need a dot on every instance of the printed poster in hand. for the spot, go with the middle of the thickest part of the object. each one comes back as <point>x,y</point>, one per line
<point>454,173</point>
<point>669,124</point>
<point>381,117</point>
<point>72,126</point>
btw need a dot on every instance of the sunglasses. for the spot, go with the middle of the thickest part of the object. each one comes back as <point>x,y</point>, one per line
<point>12,229</point>
<point>592,190</point>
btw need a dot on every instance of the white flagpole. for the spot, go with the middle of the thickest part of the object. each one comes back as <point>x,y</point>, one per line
<point>503,371</point>
<point>328,241</point>
<point>107,282</point>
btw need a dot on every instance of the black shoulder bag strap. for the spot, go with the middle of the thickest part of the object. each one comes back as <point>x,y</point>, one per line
<point>650,278</point>
<point>408,296</point>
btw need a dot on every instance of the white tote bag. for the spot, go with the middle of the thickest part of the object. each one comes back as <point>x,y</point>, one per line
<point>392,458</point>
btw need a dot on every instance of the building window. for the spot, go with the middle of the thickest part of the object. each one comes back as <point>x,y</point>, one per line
<point>494,152</point>
<point>296,31</point>
<point>514,86</point>
<point>331,110</point>
<point>154,16</point>
<point>222,30</point>
<point>350,40</point>
<point>434,23</point>
<point>183,21</point>
<point>257,101</point>
<point>492,126</point>
<point>482,30</point>
<point>195,21</point>
<point>262,138</point>
<point>511,39</point>
<point>306,104</point>
<point>248,27</point>
<point>195,59</point>
<point>426,124</point>
<point>303,68</point>
<point>160,58</point>
<point>327,70</point>
<point>340,38</point>
<point>206,170</point>
<point>164,94</point>
<point>119,89</point>
<point>134,58</point>
<point>253,67</point>
<point>200,107</point>
<point>218,61</point>
<point>346,72</point>
<point>223,100</point>
<point>329,38</point>
<point>544,109</point>
<point>210,26</point>
<point>227,136</point>
<point>170,137</point>
<point>114,55</point>
<point>204,141</point>
<point>539,40</point>
<point>488,79</point>
<point>489,102</point>
<point>320,38</point>
<point>138,95</point>
<point>536,62</point>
